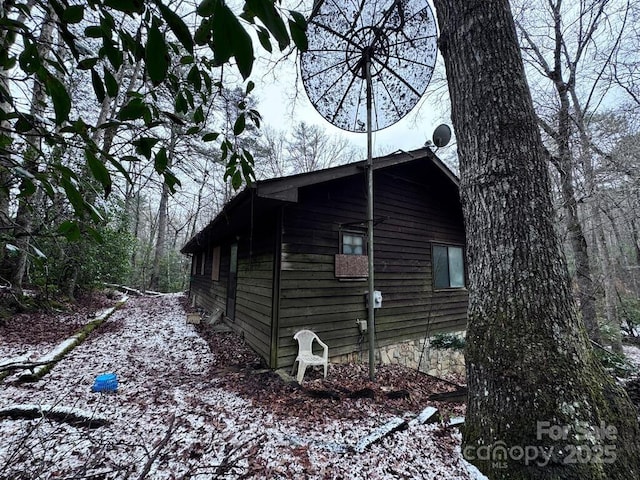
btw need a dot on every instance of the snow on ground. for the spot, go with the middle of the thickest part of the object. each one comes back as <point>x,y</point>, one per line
<point>172,417</point>
<point>632,352</point>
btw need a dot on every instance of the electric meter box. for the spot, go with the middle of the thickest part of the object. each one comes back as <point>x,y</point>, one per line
<point>377,299</point>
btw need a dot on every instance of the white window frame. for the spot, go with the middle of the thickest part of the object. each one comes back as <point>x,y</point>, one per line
<point>353,234</point>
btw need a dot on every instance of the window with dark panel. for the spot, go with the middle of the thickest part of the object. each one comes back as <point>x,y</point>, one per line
<point>448,266</point>
<point>215,263</point>
<point>194,264</point>
<point>352,261</point>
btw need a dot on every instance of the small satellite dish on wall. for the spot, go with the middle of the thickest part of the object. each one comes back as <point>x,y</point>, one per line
<point>441,135</point>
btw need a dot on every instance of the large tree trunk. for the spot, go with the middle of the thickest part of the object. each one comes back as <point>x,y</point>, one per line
<point>5,152</point>
<point>528,355</point>
<point>7,39</point>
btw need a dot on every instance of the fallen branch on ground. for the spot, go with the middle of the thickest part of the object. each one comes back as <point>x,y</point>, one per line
<point>125,289</point>
<point>9,367</point>
<point>459,395</point>
<point>76,417</point>
<point>158,448</point>
<point>49,360</point>
<point>393,425</point>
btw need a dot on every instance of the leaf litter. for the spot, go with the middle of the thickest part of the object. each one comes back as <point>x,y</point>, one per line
<point>199,404</point>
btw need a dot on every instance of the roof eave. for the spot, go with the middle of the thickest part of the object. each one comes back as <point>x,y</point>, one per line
<point>285,189</point>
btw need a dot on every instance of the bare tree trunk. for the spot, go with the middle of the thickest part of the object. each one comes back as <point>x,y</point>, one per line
<point>610,296</point>
<point>600,243</point>
<point>7,39</point>
<point>107,108</point>
<point>198,206</point>
<point>106,111</point>
<point>24,214</point>
<point>578,242</point>
<point>5,153</point>
<point>530,367</point>
<point>600,247</point>
<point>562,66</point>
<point>110,133</point>
<point>161,239</point>
<point>564,163</point>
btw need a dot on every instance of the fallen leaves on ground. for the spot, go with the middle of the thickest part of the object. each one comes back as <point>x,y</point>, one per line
<point>190,408</point>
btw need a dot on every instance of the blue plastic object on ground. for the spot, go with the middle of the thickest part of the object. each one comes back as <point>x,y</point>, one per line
<point>107,382</point>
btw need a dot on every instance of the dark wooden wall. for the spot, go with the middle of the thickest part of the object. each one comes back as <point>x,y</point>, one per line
<point>254,296</point>
<point>211,295</point>
<point>254,283</point>
<point>417,206</point>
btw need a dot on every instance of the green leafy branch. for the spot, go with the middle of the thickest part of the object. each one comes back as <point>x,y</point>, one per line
<point>126,32</point>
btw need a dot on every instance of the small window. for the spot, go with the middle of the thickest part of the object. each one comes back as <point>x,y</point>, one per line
<point>203,259</point>
<point>353,244</point>
<point>352,261</point>
<point>194,264</point>
<point>215,264</point>
<point>448,267</point>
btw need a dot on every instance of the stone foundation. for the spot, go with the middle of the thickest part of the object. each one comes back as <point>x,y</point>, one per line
<point>416,355</point>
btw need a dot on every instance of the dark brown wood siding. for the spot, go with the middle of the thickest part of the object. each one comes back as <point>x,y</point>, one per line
<point>415,206</point>
<point>254,299</point>
<point>211,295</point>
<point>254,295</point>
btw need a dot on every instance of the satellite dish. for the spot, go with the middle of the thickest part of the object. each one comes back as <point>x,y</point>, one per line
<point>441,135</point>
<point>366,66</point>
<point>398,38</point>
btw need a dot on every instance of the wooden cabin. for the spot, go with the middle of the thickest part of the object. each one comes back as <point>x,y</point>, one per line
<point>291,253</point>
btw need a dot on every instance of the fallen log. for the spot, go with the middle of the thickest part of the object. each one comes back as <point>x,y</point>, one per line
<point>459,396</point>
<point>393,425</point>
<point>10,367</point>
<point>72,416</point>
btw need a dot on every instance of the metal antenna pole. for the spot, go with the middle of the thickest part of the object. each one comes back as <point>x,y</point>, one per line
<point>371,310</point>
<point>390,37</point>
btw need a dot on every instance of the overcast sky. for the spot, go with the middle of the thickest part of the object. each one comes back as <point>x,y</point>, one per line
<point>280,111</point>
<point>283,102</point>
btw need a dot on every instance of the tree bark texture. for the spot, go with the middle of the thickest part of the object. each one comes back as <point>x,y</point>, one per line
<point>530,366</point>
<point>6,40</point>
<point>161,239</point>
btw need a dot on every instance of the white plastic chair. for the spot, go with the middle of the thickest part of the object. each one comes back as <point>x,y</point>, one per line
<point>306,357</point>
